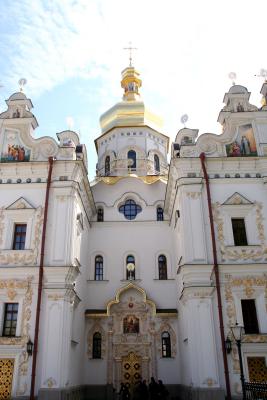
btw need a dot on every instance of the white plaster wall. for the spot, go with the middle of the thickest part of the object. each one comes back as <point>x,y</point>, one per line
<point>144,137</point>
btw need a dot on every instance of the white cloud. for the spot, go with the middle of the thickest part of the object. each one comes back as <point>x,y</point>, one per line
<point>185,50</point>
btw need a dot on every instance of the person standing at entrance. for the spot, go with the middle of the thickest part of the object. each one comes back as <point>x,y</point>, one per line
<point>124,392</point>
<point>144,395</point>
<point>153,389</point>
<point>162,391</point>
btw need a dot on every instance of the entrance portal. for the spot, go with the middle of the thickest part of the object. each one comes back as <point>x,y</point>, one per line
<point>257,369</point>
<point>6,376</point>
<point>131,370</point>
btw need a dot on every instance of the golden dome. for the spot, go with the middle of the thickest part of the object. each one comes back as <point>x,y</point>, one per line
<point>131,111</point>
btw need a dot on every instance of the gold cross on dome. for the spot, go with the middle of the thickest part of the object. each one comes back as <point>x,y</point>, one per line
<point>130,48</point>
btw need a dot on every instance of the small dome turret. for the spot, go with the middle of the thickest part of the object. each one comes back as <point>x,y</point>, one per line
<point>132,140</point>
<point>236,100</point>
<point>19,109</point>
<point>17,96</point>
<point>237,89</point>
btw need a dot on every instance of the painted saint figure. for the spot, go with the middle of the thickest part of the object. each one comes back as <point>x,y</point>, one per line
<point>130,324</point>
<point>245,146</point>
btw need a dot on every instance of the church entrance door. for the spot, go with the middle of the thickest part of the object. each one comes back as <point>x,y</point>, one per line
<point>6,376</point>
<point>131,369</point>
<point>257,369</point>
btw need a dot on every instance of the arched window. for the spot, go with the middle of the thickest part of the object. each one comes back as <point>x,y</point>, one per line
<point>156,163</point>
<point>166,344</point>
<point>160,214</point>
<point>97,345</point>
<point>130,274</point>
<point>99,269</point>
<point>162,263</point>
<point>131,159</point>
<point>107,165</point>
<point>100,214</point>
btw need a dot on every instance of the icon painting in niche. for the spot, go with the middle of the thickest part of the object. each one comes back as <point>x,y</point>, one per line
<point>130,324</point>
<point>244,144</point>
<point>13,149</point>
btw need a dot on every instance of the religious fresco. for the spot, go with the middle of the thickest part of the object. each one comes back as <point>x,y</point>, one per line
<point>13,150</point>
<point>130,324</point>
<point>244,144</point>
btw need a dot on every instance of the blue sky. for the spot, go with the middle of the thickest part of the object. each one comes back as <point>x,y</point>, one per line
<point>71,53</point>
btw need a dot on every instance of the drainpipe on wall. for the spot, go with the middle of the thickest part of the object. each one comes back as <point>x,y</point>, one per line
<point>40,281</point>
<point>217,277</point>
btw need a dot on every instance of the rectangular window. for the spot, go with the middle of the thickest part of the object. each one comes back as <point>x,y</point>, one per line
<point>19,236</point>
<point>239,232</point>
<point>250,316</point>
<point>10,319</point>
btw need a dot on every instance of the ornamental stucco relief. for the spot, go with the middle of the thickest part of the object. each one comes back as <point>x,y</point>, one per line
<point>166,327</point>
<point>196,293</point>
<point>49,148</point>
<point>22,389</point>
<point>23,363</point>
<point>210,382</point>
<point>25,257</point>
<point>8,285</point>
<point>193,195</point>
<point>50,382</point>
<point>97,327</point>
<point>14,287</point>
<point>248,284</point>
<point>234,254</point>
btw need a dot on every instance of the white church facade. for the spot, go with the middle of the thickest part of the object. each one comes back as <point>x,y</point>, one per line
<point>141,272</point>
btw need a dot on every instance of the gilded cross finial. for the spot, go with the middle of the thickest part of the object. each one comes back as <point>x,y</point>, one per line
<point>232,76</point>
<point>22,82</point>
<point>262,74</point>
<point>130,48</point>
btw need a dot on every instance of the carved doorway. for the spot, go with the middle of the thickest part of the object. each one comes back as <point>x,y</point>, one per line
<point>131,369</point>
<point>6,376</point>
<point>257,369</point>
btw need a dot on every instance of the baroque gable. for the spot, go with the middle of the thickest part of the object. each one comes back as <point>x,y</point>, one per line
<point>20,203</point>
<point>237,199</point>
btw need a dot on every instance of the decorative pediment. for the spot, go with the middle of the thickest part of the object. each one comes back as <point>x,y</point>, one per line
<point>20,203</point>
<point>237,199</point>
<point>68,138</point>
<point>131,288</point>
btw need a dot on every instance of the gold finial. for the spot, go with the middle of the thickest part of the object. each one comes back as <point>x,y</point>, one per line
<point>232,76</point>
<point>130,48</point>
<point>22,82</point>
<point>262,74</point>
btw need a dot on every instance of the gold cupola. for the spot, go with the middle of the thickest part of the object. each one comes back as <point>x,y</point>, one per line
<point>131,84</point>
<point>131,111</point>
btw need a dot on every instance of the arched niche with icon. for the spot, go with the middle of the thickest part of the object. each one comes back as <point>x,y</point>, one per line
<point>131,324</point>
<point>13,149</point>
<point>244,144</point>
